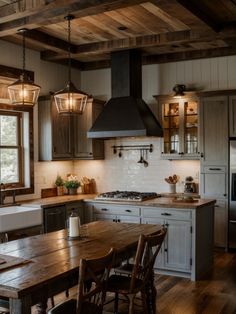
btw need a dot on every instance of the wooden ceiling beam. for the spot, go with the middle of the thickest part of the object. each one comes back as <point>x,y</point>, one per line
<point>189,55</point>
<point>54,11</point>
<point>166,58</point>
<point>49,42</point>
<point>126,43</point>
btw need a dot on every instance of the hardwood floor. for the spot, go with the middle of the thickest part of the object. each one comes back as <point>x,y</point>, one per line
<point>175,295</point>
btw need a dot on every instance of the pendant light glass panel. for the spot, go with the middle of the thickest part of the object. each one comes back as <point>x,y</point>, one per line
<point>23,91</point>
<point>70,100</point>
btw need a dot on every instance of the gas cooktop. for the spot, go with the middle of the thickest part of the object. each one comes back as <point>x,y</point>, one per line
<point>127,196</point>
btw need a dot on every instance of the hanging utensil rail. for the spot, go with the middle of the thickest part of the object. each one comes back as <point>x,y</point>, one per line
<point>148,148</point>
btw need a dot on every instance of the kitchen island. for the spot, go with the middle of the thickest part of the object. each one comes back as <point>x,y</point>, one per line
<point>188,247</point>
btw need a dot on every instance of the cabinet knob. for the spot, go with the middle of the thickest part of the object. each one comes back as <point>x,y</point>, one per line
<point>225,194</point>
<point>165,214</point>
<point>104,209</point>
<point>128,210</point>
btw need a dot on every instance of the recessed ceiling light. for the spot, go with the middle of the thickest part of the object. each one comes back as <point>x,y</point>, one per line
<point>122,28</point>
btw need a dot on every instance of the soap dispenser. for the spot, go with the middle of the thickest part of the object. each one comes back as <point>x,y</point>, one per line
<point>73,225</point>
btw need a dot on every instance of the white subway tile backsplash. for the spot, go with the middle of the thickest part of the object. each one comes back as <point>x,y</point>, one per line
<point>125,173</point>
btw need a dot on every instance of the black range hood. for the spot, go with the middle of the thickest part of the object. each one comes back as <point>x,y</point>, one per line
<point>126,114</point>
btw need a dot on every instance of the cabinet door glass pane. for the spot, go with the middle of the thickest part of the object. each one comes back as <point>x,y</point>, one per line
<point>171,128</point>
<point>191,127</point>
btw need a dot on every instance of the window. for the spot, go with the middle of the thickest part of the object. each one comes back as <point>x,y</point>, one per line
<point>11,148</point>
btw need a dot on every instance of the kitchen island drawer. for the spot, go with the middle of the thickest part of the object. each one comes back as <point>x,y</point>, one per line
<point>169,213</point>
<point>116,209</point>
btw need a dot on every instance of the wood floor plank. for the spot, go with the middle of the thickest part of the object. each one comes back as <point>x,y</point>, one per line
<point>214,295</point>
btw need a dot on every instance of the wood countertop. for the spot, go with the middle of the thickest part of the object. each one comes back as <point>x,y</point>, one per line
<point>166,202</point>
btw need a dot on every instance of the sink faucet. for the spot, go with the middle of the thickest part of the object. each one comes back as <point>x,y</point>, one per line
<point>2,196</point>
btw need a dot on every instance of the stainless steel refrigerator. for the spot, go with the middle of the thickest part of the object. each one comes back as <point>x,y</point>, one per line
<point>232,195</point>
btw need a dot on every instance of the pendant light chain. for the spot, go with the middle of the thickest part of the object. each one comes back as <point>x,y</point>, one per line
<point>23,54</point>
<point>69,18</point>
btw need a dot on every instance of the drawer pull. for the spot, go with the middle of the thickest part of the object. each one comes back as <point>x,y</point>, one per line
<point>104,209</point>
<point>215,169</point>
<point>165,214</point>
<point>128,210</point>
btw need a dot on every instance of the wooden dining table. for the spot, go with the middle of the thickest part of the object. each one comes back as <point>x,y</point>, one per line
<point>50,262</point>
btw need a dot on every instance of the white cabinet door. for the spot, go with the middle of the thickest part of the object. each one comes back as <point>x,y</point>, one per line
<point>214,130</point>
<point>214,182</point>
<point>178,245</point>
<point>175,253</point>
<point>220,224</point>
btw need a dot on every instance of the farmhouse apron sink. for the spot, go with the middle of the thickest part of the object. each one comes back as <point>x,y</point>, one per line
<point>18,217</point>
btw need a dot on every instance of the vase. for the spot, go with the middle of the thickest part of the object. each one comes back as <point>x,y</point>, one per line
<point>72,191</point>
<point>172,188</point>
<point>60,190</point>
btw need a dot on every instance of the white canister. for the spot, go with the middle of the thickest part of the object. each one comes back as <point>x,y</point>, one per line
<point>74,225</point>
<point>172,188</point>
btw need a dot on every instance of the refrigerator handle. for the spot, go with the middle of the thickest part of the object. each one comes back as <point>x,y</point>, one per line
<point>233,187</point>
<point>232,221</point>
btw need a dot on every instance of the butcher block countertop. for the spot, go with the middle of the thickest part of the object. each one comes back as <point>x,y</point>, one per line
<point>166,202</point>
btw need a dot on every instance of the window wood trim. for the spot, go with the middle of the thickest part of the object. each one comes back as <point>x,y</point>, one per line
<point>18,146</point>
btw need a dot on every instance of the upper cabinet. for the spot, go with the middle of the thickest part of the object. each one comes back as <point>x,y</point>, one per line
<point>64,137</point>
<point>214,130</point>
<point>180,122</point>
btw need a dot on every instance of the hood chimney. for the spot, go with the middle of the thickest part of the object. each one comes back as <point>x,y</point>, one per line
<point>126,114</point>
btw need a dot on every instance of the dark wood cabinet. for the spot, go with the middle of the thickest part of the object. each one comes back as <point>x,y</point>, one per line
<point>64,137</point>
<point>87,148</point>
<point>54,218</point>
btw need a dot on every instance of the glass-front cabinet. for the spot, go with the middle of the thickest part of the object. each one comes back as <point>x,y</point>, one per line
<point>180,126</point>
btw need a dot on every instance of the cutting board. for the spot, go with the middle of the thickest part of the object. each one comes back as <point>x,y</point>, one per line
<point>184,200</point>
<point>48,192</point>
<point>7,261</point>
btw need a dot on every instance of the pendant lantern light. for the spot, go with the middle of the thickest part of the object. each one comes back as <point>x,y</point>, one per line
<point>23,91</point>
<point>70,100</point>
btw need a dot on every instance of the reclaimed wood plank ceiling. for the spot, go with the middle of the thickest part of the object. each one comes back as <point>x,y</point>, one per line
<point>164,30</point>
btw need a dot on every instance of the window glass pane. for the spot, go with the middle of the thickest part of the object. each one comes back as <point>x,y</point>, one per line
<point>9,165</point>
<point>8,130</point>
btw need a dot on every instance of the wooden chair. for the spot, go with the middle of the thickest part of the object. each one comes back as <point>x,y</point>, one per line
<point>139,276</point>
<point>93,275</point>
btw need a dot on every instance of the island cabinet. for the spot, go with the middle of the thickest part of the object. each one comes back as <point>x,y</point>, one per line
<point>64,137</point>
<point>176,252</point>
<point>180,121</point>
<point>188,247</point>
<point>111,212</point>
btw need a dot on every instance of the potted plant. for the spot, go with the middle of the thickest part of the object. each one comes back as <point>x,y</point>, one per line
<point>59,183</point>
<point>72,184</point>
